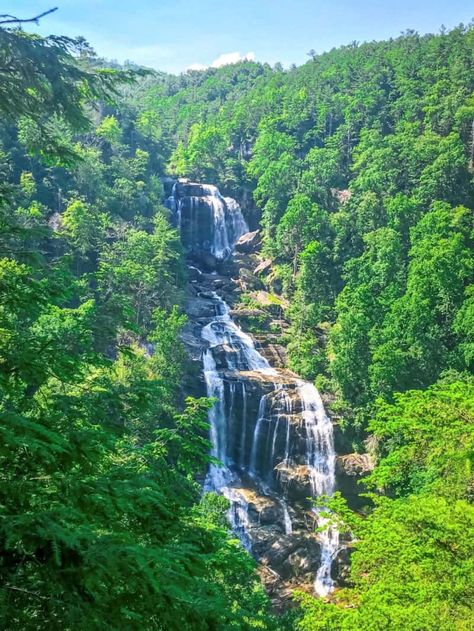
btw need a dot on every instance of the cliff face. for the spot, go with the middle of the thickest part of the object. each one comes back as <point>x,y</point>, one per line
<point>269,429</point>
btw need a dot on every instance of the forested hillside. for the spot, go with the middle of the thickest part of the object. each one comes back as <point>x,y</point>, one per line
<point>361,162</point>
<point>359,167</point>
<point>102,525</point>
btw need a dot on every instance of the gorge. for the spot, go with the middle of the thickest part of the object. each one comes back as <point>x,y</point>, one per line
<point>272,441</point>
<point>168,437</point>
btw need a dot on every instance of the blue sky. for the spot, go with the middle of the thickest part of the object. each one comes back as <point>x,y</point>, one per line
<point>173,35</point>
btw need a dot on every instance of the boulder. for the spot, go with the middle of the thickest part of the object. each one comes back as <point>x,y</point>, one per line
<point>255,319</point>
<point>248,280</point>
<point>293,555</point>
<point>350,471</point>
<point>342,195</point>
<point>355,465</point>
<point>295,482</point>
<point>200,307</point>
<point>191,338</point>
<point>263,266</point>
<point>55,222</point>
<point>248,242</point>
<point>244,313</point>
<point>270,301</point>
<point>204,259</point>
<point>275,354</point>
<point>194,274</point>
<point>341,567</point>
<point>263,509</point>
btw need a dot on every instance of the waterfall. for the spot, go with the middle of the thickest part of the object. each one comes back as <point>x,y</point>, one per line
<point>287,518</point>
<point>243,437</point>
<point>238,516</point>
<point>323,583</point>
<point>268,429</point>
<point>217,475</point>
<point>321,460</point>
<point>256,435</point>
<point>206,220</point>
<point>222,331</point>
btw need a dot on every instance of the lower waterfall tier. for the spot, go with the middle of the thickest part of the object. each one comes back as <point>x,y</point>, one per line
<point>274,441</point>
<point>268,434</point>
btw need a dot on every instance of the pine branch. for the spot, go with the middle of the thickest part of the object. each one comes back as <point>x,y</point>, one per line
<point>11,19</point>
<point>26,591</point>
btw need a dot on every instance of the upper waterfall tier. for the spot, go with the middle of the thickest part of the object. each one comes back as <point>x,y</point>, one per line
<point>208,222</point>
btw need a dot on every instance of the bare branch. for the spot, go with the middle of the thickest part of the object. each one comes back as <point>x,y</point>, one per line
<point>11,19</point>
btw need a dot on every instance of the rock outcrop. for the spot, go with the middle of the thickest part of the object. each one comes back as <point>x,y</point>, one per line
<point>248,242</point>
<point>350,472</point>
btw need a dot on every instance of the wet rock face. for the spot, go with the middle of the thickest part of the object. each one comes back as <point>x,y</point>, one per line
<point>341,567</point>
<point>268,439</point>
<point>268,345</point>
<point>288,555</point>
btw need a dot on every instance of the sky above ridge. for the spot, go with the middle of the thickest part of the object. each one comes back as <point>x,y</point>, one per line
<point>174,35</point>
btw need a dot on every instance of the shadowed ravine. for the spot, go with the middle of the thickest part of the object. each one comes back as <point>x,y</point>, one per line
<point>269,429</point>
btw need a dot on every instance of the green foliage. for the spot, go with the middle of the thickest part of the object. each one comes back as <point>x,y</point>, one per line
<point>101,521</point>
<point>142,271</point>
<point>109,130</point>
<point>412,568</point>
<point>412,564</point>
<point>416,341</point>
<point>84,228</point>
<point>42,82</point>
<point>426,439</point>
<point>373,281</point>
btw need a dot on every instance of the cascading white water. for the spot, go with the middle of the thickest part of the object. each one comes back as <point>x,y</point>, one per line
<point>321,461</point>
<point>220,247</point>
<point>287,518</point>
<point>218,475</point>
<point>172,201</point>
<point>237,226</point>
<point>256,435</point>
<point>238,515</point>
<point>268,439</point>
<point>243,437</point>
<point>329,538</point>
<point>222,331</point>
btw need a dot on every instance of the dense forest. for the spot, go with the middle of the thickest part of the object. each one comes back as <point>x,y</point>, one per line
<point>359,167</point>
